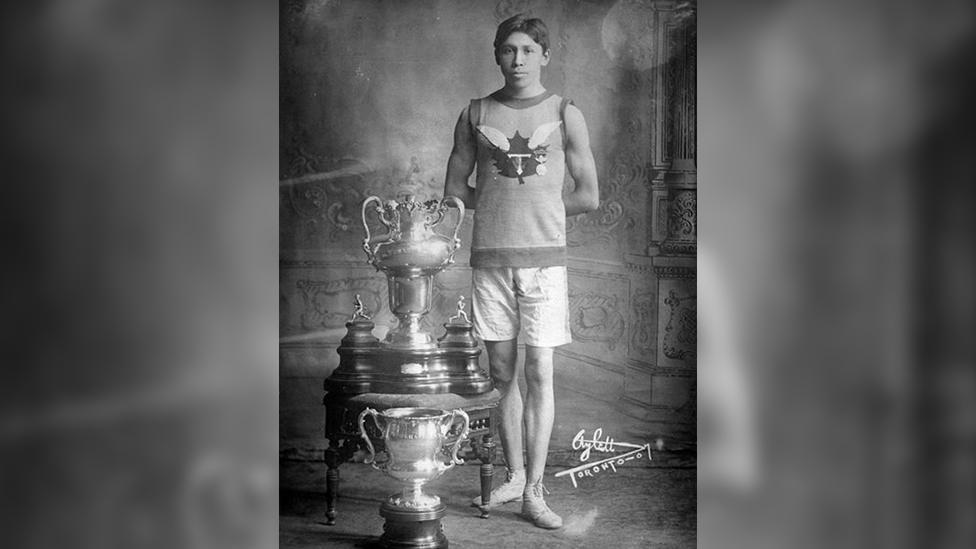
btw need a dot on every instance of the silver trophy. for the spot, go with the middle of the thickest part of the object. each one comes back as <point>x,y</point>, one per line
<point>410,254</point>
<point>414,439</point>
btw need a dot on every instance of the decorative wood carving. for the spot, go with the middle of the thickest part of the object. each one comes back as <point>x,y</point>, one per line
<point>674,271</point>
<point>682,223</point>
<point>681,331</point>
<point>642,332</point>
<point>682,215</point>
<point>596,317</point>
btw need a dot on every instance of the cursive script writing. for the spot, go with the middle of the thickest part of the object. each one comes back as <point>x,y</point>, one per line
<point>581,443</point>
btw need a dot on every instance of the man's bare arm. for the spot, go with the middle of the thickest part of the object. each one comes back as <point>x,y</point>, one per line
<point>461,163</point>
<point>585,196</point>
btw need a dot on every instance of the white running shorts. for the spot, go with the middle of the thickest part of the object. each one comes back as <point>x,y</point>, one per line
<point>533,301</point>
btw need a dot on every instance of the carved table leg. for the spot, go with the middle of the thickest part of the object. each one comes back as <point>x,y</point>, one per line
<point>332,460</point>
<point>487,455</point>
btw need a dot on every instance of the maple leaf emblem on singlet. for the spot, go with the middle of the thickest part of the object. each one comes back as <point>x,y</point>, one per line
<point>516,156</point>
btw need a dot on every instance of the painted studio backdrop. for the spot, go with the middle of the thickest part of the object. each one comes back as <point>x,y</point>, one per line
<point>370,92</point>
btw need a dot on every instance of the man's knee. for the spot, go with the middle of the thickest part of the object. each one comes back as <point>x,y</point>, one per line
<point>502,356</point>
<point>538,377</point>
<point>538,370</point>
<point>502,372</point>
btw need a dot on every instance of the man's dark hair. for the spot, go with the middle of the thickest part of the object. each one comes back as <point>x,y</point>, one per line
<point>533,27</point>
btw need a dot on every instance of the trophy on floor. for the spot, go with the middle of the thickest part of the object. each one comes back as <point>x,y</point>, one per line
<point>414,441</point>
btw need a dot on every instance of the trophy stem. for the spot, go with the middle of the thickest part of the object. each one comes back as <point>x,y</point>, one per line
<point>410,298</point>
<point>413,491</point>
<point>407,335</point>
<point>412,496</point>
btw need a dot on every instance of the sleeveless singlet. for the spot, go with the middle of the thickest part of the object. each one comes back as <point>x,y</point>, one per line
<point>519,218</point>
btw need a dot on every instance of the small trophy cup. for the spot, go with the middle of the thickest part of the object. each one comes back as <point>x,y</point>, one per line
<point>410,254</point>
<point>414,440</point>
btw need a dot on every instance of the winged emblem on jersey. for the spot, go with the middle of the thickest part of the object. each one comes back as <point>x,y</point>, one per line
<point>516,156</point>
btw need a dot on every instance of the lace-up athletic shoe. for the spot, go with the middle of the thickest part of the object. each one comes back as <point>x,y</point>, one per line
<point>511,490</point>
<point>535,509</point>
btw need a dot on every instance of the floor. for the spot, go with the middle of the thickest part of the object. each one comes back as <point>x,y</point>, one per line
<point>636,505</point>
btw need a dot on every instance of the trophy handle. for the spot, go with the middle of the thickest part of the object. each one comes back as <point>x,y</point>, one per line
<point>457,227</point>
<point>371,459</point>
<point>366,241</point>
<point>455,460</point>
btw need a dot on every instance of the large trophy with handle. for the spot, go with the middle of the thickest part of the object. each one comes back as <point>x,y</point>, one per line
<point>410,254</point>
<point>411,243</point>
<point>414,440</point>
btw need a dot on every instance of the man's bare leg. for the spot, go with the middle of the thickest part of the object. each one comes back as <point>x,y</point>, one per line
<point>539,416</point>
<point>539,409</point>
<point>502,359</point>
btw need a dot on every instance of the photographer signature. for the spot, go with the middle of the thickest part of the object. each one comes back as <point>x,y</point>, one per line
<point>605,445</point>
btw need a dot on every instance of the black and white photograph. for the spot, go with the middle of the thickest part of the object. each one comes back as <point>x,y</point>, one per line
<point>488,274</point>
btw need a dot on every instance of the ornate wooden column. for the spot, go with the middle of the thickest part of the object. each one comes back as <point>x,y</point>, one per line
<point>669,257</point>
<point>674,262</point>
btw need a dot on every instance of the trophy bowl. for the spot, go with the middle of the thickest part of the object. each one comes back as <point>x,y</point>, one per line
<point>410,254</point>
<point>414,440</point>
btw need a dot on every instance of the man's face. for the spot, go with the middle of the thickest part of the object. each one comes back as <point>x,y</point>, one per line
<point>521,60</point>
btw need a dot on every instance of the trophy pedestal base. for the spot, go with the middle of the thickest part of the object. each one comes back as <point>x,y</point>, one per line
<point>380,369</point>
<point>449,366</point>
<point>407,528</point>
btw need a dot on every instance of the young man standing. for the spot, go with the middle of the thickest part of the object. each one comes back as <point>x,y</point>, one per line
<point>522,139</point>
